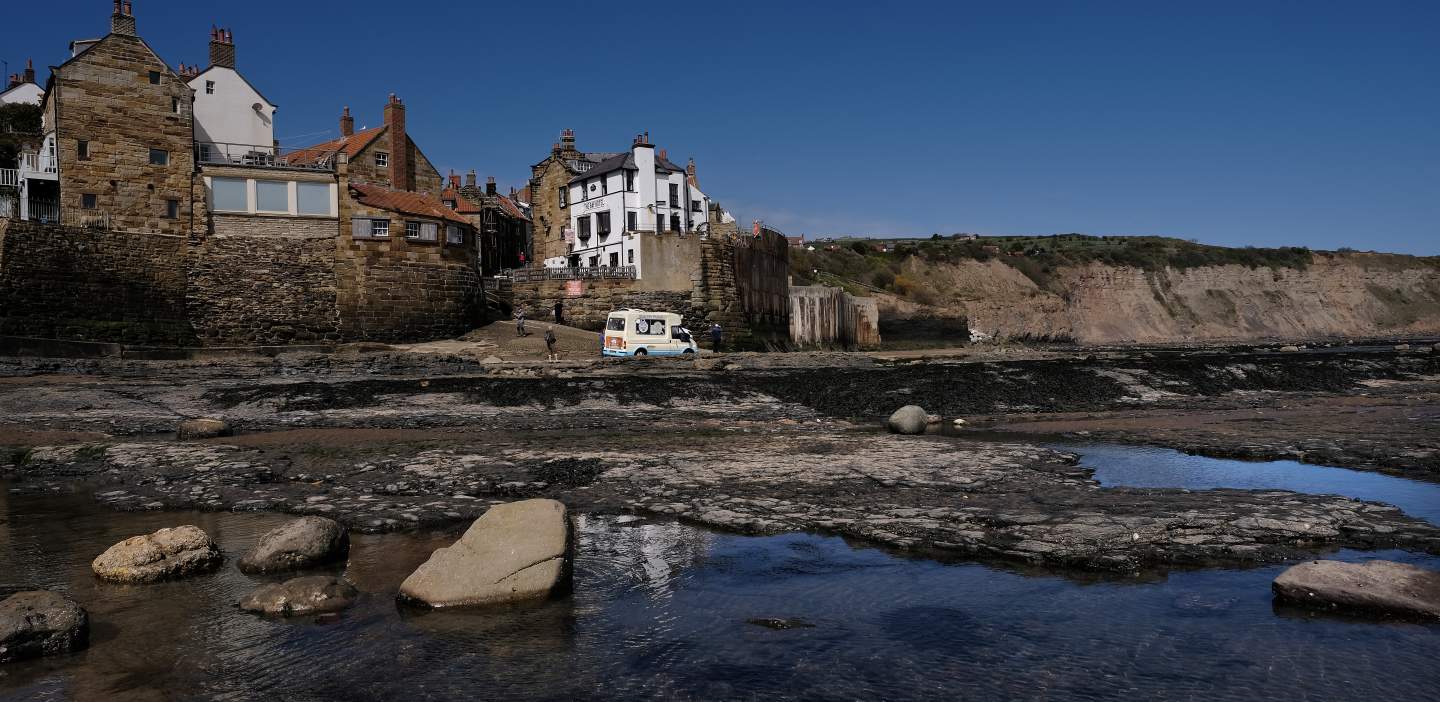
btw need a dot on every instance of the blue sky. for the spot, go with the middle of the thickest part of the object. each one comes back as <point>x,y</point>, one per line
<point>1236,123</point>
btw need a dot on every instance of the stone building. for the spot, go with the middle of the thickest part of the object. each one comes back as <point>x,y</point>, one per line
<point>383,155</point>
<point>118,122</point>
<point>502,226</point>
<point>549,194</point>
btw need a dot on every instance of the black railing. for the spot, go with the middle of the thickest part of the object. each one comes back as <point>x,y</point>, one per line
<point>224,154</point>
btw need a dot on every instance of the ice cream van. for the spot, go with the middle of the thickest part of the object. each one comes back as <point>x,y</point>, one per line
<point>641,333</point>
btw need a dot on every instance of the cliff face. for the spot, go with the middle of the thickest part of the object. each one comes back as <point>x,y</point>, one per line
<point>1343,295</point>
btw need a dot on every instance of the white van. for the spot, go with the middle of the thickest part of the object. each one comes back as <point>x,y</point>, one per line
<point>641,333</point>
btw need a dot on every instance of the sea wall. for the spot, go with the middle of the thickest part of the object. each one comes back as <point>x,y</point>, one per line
<point>825,316</point>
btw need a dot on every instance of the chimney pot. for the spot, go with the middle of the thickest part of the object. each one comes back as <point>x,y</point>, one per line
<point>490,185</point>
<point>470,178</point>
<point>123,20</point>
<point>222,48</point>
<point>347,123</point>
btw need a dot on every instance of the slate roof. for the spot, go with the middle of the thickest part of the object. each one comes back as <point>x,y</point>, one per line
<point>624,160</point>
<point>351,145</point>
<point>404,202</point>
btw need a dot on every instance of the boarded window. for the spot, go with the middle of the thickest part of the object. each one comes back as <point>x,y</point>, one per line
<point>272,196</point>
<point>314,198</point>
<point>228,195</point>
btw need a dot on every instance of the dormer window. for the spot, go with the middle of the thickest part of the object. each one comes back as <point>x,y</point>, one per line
<point>450,204</point>
<point>209,87</point>
<point>382,159</point>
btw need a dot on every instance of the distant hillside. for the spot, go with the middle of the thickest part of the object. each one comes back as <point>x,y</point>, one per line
<point>1134,289</point>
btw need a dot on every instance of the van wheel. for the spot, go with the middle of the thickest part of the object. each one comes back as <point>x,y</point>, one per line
<point>689,352</point>
<point>640,352</point>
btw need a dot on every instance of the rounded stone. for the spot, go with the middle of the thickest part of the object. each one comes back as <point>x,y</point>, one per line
<point>514,552</point>
<point>41,623</point>
<point>910,419</point>
<point>301,543</point>
<point>1383,587</point>
<point>312,594</point>
<point>202,429</point>
<point>166,554</point>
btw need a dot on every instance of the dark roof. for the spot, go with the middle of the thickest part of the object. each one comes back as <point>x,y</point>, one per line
<point>624,160</point>
<point>405,202</point>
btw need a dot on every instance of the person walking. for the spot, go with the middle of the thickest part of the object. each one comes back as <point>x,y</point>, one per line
<point>550,353</point>
<point>559,311</point>
<point>717,337</point>
<point>520,322</point>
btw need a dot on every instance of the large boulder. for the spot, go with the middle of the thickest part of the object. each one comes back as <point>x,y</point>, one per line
<point>202,429</point>
<point>516,551</point>
<point>313,594</point>
<point>1376,586</point>
<point>302,543</point>
<point>910,419</point>
<point>41,623</point>
<point>163,555</point>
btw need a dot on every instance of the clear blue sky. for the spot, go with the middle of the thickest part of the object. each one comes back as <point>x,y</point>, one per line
<point>1237,123</point>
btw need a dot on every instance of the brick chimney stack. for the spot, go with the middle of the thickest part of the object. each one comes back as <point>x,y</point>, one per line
<point>454,180</point>
<point>123,20</point>
<point>29,75</point>
<point>690,174</point>
<point>470,178</point>
<point>490,185</point>
<point>222,48</point>
<point>401,177</point>
<point>567,139</point>
<point>347,123</point>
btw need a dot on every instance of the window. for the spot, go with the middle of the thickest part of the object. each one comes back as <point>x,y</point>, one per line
<point>674,223</point>
<point>364,227</point>
<point>272,196</point>
<point>313,198</point>
<point>602,223</point>
<point>605,185</point>
<point>209,87</point>
<point>228,195</point>
<point>694,205</point>
<point>172,209</point>
<point>382,159</point>
<point>650,327</point>
<point>615,259</point>
<point>630,181</point>
<point>87,201</point>
<point>82,148</point>
<point>454,234</point>
<point>421,231</point>
<point>630,257</point>
<point>159,157</point>
<point>154,77</point>
<point>674,195</point>
<point>584,232</point>
<point>564,195</point>
<point>630,221</point>
<point>450,204</point>
<point>594,261</point>
<point>379,228</point>
<point>412,230</point>
<point>175,105</point>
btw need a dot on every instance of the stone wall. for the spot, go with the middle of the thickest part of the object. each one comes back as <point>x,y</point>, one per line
<point>105,98</point>
<point>265,280</point>
<point>74,283</point>
<point>549,217</point>
<point>825,316</point>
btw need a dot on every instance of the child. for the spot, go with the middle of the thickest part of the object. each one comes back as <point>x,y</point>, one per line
<point>550,353</point>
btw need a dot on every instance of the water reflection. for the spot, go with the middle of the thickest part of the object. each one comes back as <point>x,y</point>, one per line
<point>660,610</point>
<point>1138,466</point>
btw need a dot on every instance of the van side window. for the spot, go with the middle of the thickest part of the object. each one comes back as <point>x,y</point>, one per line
<point>655,327</point>
<point>615,324</point>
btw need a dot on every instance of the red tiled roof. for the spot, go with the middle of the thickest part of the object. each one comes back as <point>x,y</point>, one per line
<point>511,208</point>
<point>462,205</point>
<point>404,202</point>
<point>351,145</point>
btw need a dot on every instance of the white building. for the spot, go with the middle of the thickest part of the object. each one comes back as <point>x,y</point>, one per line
<point>21,87</point>
<point>234,123</point>
<point>630,195</point>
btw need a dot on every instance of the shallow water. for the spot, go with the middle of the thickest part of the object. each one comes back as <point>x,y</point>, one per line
<point>660,610</point>
<point>1141,466</point>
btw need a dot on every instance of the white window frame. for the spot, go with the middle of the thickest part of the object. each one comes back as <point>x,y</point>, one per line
<point>209,87</point>
<point>382,159</point>
<point>379,228</point>
<point>288,200</point>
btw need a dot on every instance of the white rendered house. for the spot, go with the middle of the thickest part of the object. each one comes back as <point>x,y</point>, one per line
<point>21,88</point>
<point>633,194</point>
<point>234,123</point>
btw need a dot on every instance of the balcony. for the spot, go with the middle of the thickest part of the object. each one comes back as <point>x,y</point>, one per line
<point>38,166</point>
<point>216,153</point>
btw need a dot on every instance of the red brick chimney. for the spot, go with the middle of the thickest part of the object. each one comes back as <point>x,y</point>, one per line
<point>690,174</point>
<point>567,139</point>
<point>222,48</point>
<point>401,176</point>
<point>347,123</point>
<point>29,75</point>
<point>123,19</point>
<point>454,180</point>
<point>490,185</point>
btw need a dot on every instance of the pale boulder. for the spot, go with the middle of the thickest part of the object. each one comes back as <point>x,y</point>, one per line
<point>910,419</point>
<point>163,555</point>
<point>514,552</point>
<point>302,543</point>
<point>1376,586</point>
<point>201,429</point>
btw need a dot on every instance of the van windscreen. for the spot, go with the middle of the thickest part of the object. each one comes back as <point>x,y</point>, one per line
<point>615,324</point>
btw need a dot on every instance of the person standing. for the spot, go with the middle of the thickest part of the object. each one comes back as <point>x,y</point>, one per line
<point>520,322</point>
<point>550,353</point>
<point>717,337</point>
<point>559,311</point>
